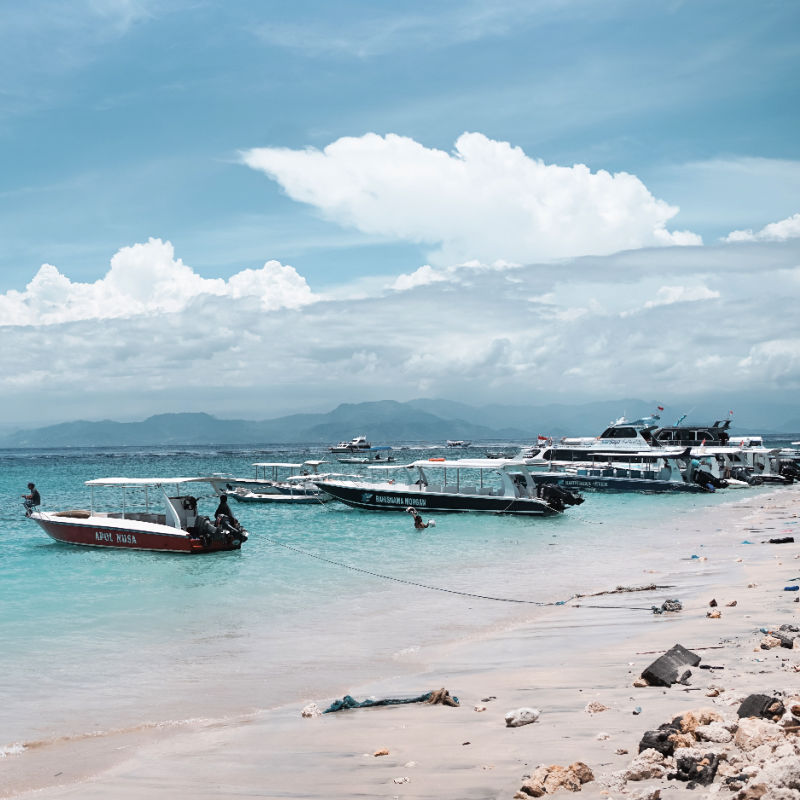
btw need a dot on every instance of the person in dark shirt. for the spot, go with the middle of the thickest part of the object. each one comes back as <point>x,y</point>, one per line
<point>32,499</point>
<point>224,510</point>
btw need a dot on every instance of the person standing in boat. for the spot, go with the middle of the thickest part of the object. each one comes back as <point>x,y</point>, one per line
<point>224,510</point>
<point>32,499</point>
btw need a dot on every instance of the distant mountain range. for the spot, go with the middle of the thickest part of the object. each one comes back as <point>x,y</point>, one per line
<point>383,422</point>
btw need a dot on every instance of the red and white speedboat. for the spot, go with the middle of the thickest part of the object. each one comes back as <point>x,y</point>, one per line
<point>177,529</point>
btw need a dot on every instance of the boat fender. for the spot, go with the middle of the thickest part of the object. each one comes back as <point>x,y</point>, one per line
<point>437,459</point>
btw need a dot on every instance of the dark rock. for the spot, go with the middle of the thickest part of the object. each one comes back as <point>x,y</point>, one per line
<point>761,705</point>
<point>660,739</point>
<point>713,603</point>
<point>664,671</point>
<point>693,769</point>
<point>684,679</point>
<point>782,540</point>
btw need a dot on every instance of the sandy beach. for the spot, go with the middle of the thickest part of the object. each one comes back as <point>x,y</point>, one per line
<point>557,659</point>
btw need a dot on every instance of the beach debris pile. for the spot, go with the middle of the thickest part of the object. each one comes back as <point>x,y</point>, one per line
<point>755,753</point>
<point>522,716</point>
<point>668,606</point>
<point>786,635</point>
<point>546,780</point>
<point>434,697</point>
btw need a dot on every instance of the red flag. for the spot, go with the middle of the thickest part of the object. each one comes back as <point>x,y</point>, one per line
<point>660,408</point>
<point>542,438</point>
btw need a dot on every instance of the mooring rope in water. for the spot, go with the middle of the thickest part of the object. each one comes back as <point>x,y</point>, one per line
<point>451,591</point>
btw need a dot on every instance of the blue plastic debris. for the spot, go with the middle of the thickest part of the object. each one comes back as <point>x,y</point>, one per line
<point>791,588</point>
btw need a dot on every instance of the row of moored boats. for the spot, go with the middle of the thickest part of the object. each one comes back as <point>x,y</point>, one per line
<point>544,479</point>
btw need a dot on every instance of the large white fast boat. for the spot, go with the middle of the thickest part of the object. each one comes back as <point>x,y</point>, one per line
<point>500,486</point>
<point>641,471</point>
<point>135,525</point>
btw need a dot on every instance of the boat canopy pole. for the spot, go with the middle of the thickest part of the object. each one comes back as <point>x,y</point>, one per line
<point>172,515</point>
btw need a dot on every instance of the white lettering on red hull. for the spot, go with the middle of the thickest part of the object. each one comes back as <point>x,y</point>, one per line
<point>114,538</point>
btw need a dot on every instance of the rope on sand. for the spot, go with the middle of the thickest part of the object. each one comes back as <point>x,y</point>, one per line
<point>450,591</point>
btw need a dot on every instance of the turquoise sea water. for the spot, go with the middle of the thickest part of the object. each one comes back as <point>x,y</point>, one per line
<point>96,640</point>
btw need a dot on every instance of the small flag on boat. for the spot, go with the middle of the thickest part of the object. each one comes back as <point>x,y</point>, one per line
<point>541,438</point>
<point>660,408</point>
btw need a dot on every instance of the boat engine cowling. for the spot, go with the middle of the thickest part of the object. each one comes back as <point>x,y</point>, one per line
<point>557,497</point>
<point>706,479</point>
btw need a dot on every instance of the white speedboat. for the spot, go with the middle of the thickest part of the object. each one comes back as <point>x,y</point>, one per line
<point>135,525</point>
<point>500,486</point>
<point>458,443</point>
<point>283,482</point>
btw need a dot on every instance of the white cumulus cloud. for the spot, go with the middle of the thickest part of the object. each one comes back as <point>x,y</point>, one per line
<point>145,279</point>
<point>788,228</point>
<point>486,200</point>
<point>681,294</point>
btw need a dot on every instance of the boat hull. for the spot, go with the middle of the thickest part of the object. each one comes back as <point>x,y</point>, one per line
<point>593,483</point>
<point>89,533</point>
<point>280,499</point>
<point>379,499</point>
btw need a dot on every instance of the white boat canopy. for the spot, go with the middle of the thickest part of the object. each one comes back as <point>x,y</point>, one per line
<point>141,481</point>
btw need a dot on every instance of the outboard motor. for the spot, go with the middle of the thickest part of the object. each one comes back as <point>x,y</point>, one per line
<point>709,481</point>
<point>231,530</point>
<point>789,470</point>
<point>557,497</point>
<point>705,479</point>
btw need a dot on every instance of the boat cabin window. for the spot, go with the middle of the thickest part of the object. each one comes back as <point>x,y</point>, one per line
<point>618,433</point>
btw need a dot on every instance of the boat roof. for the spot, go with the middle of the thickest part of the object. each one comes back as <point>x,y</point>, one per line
<point>140,481</point>
<point>287,464</point>
<point>470,463</point>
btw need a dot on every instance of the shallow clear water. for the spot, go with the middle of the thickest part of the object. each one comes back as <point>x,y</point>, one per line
<point>96,640</point>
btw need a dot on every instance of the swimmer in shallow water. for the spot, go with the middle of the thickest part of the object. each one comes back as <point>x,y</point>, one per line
<point>418,523</point>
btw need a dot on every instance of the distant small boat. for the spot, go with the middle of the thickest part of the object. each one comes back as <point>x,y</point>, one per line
<point>356,444</point>
<point>458,443</point>
<point>380,453</point>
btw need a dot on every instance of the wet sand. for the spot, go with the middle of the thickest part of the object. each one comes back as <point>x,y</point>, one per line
<point>557,659</point>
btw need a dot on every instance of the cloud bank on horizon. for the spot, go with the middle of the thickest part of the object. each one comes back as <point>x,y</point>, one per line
<point>486,200</point>
<point>491,316</point>
<point>651,321</point>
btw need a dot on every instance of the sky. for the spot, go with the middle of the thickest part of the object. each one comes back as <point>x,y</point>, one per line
<point>252,209</point>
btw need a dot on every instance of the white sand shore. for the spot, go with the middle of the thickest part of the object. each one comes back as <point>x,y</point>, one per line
<point>557,660</point>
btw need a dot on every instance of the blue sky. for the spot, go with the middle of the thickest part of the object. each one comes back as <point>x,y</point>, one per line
<point>239,133</point>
